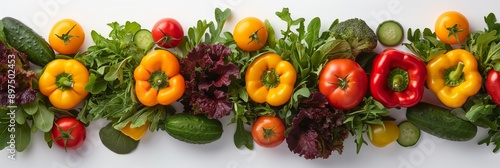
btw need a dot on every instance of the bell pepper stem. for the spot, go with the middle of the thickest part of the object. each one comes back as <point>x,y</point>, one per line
<point>64,81</point>
<point>455,75</point>
<point>158,80</point>
<point>270,78</point>
<point>398,79</point>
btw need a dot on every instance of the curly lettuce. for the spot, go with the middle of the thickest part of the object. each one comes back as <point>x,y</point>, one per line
<point>208,76</point>
<point>23,76</point>
<point>317,130</point>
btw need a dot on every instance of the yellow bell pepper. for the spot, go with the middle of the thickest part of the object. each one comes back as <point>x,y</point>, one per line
<point>63,81</point>
<point>158,79</point>
<point>135,133</point>
<point>453,77</point>
<point>270,79</point>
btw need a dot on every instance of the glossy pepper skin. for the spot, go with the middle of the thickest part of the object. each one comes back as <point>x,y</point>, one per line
<point>63,81</point>
<point>397,79</point>
<point>492,85</point>
<point>158,79</point>
<point>270,79</point>
<point>467,83</point>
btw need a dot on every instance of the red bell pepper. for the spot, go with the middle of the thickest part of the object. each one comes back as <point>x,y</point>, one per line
<point>397,78</point>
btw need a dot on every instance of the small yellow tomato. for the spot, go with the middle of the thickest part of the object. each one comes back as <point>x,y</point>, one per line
<point>66,36</point>
<point>382,137</point>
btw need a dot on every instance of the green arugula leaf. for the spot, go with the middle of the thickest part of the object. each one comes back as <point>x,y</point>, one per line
<point>358,121</point>
<point>426,47</point>
<point>48,139</point>
<point>96,84</point>
<point>242,137</point>
<point>43,119</point>
<point>23,136</point>
<point>32,107</point>
<point>220,18</point>
<point>271,34</point>
<point>115,141</point>
<point>4,128</point>
<point>20,115</point>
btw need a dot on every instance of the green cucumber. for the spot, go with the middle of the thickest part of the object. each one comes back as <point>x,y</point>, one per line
<point>440,122</point>
<point>409,134</point>
<point>144,39</point>
<point>390,33</point>
<point>195,129</point>
<point>25,40</point>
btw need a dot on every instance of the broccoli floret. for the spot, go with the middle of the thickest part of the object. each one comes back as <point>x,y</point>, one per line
<point>357,33</point>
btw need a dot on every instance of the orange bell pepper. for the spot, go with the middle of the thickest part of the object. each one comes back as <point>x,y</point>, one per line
<point>63,81</point>
<point>158,79</point>
<point>270,79</point>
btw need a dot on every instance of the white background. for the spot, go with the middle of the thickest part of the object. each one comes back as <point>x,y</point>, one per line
<point>158,149</point>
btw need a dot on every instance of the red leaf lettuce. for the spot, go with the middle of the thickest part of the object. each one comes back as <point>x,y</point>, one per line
<point>208,76</point>
<point>317,130</point>
<point>22,80</point>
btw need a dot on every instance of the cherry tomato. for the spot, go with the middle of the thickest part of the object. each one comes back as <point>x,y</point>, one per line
<point>66,36</point>
<point>68,133</point>
<point>167,33</point>
<point>268,131</point>
<point>493,85</point>
<point>343,82</point>
<point>250,34</point>
<point>450,26</point>
<point>381,137</point>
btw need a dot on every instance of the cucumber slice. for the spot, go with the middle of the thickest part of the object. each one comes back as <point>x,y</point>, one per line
<point>144,39</point>
<point>390,33</point>
<point>409,134</point>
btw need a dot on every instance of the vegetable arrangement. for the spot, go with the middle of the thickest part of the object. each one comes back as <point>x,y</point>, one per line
<point>308,87</point>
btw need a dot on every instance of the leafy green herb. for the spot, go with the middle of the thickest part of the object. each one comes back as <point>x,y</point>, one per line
<point>242,137</point>
<point>198,34</point>
<point>358,120</point>
<point>23,136</point>
<point>115,141</point>
<point>4,127</point>
<point>425,45</point>
<point>43,119</point>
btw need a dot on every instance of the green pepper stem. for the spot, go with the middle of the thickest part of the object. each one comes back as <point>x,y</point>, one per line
<point>457,73</point>
<point>158,80</point>
<point>270,78</point>
<point>398,79</point>
<point>64,81</point>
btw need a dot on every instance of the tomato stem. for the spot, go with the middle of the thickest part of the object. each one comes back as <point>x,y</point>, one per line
<point>165,39</point>
<point>454,30</point>
<point>268,133</point>
<point>66,38</point>
<point>255,37</point>
<point>343,83</point>
<point>65,135</point>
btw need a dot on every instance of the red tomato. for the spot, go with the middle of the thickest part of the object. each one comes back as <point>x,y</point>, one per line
<point>493,85</point>
<point>68,133</point>
<point>343,82</point>
<point>268,131</point>
<point>167,33</point>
